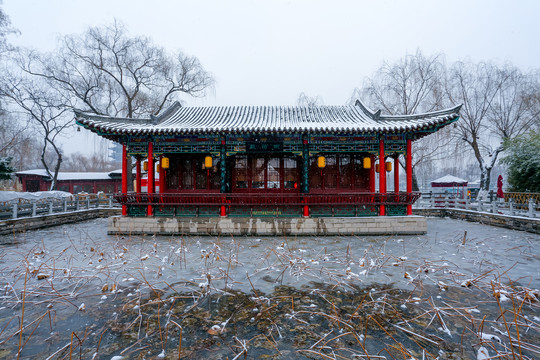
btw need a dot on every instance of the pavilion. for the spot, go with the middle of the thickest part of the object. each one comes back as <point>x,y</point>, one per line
<point>268,161</point>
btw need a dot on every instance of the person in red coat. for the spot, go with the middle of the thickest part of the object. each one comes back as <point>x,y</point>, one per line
<point>500,193</point>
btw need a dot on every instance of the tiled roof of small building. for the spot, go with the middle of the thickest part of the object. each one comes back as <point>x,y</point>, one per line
<point>274,119</point>
<point>64,176</point>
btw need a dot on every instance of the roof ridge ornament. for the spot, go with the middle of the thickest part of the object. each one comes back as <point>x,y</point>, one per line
<point>370,113</point>
<point>175,106</point>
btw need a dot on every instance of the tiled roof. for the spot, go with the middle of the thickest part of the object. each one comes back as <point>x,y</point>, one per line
<point>448,180</point>
<point>277,119</point>
<point>72,175</point>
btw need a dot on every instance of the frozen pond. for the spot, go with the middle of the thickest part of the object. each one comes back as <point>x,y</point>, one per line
<point>89,294</point>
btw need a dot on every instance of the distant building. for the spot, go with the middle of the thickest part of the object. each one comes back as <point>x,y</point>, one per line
<point>73,182</point>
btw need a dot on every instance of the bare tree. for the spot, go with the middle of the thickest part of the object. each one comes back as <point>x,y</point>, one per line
<point>44,110</point>
<point>95,162</point>
<point>498,103</point>
<point>5,30</point>
<point>17,140</point>
<point>412,85</point>
<point>12,133</point>
<point>309,101</point>
<point>110,73</point>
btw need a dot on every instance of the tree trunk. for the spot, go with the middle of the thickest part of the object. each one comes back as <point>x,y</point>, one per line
<point>415,186</point>
<point>129,173</point>
<point>485,177</point>
<point>56,171</point>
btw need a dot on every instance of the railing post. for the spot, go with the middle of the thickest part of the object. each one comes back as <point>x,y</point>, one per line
<point>51,206</point>
<point>77,202</point>
<point>531,208</point>
<point>65,204</point>
<point>446,199</point>
<point>88,202</point>
<point>467,203</point>
<point>432,201</point>
<point>110,200</point>
<point>494,207</point>
<point>34,208</point>
<point>222,208</point>
<point>15,205</point>
<point>480,207</point>
<point>511,206</point>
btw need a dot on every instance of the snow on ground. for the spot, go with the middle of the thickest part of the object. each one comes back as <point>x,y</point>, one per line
<point>13,195</point>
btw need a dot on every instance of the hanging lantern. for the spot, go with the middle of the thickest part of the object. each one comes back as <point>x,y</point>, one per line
<point>145,166</point>
<point>165,163</point>
<point>376,167</point>
<point>208,162</point>
<point>321,162</point>
<point>158,168</point>
<point>367,163</point>
<point>388,166</point>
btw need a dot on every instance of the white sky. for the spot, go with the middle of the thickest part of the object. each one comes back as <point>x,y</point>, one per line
<point>267,52</point>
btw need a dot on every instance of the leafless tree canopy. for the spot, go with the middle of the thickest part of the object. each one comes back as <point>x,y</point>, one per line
<point>103,70</point>
<point>108,72</point>
<point>44,109</point>
<point>499,102</point>
<point>309,101</point>
<point>5,29</point>
<point>79,162</point>
<point>412,85</point>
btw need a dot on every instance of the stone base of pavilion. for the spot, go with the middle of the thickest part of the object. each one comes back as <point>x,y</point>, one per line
<point>380,225</point>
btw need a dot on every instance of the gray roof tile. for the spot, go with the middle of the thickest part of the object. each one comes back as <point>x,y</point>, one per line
<point>278,119</point>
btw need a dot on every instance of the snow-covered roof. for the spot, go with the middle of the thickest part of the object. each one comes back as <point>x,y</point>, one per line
<point>70,175</point>
<point>276,119</point>
<point>448,180</point>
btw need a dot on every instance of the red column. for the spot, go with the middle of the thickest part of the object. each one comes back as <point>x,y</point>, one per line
<point>151,185</point>
<point>382,177</point>
<point>372,174</point>
<point>138,175</point>
<point>124,177</point>
<point>396,174</point>
<point>408,170</point>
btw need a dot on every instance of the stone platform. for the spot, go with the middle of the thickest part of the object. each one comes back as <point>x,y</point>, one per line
<point>383,225</point>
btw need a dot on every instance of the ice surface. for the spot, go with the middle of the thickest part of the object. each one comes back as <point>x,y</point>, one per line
<point>111,275</point>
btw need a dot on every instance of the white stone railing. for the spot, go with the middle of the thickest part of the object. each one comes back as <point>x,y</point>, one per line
<point>16,209</point>
<point>446,200</point>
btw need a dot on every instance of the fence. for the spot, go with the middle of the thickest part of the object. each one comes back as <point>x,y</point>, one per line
<point>514,204</point>
<point>267,204</point>
<point>25,208</point>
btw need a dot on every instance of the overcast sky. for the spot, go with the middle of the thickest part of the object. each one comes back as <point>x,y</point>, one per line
<point>268,52</point>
